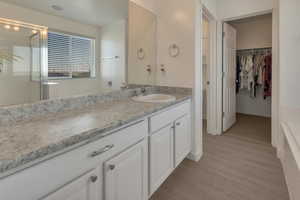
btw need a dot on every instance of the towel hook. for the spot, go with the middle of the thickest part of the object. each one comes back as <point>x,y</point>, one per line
<point>174,50</point>
<point>140,54</point>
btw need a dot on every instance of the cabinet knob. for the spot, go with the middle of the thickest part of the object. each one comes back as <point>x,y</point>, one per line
<point>111,167</point>
<point>94,178</point>
<point>178,124</point>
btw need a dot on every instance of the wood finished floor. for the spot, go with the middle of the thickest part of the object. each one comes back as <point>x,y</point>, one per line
<point>240,165</point>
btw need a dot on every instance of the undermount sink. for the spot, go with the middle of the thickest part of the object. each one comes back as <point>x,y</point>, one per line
<point>155,98</point>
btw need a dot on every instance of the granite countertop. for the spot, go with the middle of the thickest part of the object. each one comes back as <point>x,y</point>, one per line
<point>27,141</point>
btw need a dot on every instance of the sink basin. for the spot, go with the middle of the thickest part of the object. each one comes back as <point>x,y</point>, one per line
<point>155,98</point>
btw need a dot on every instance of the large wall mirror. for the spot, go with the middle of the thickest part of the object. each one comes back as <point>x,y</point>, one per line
<point>141,45</point>
<point>62,48</point>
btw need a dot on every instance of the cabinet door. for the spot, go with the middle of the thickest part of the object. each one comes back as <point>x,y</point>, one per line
<point>182,139</point>
<point>126,174</point>
<point>83,188</point>
<point>161,156</point>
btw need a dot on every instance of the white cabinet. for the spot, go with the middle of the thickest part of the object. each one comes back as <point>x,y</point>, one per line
<point>125,176</point>
<point>114,167</point>
<point>64,176</point>
<point>182,138</point>
<point>170,142</point>
<point>161,156</point>
<point>83,188</point>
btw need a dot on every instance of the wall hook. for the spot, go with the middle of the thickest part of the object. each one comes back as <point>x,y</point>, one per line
<point>174,50</point>
<point>141,54</point>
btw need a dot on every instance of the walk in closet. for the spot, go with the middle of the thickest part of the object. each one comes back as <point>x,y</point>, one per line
<point>253,76</point>
<point>254,65</point>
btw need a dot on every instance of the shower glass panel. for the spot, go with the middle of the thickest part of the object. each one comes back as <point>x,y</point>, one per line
<point>20,65</point>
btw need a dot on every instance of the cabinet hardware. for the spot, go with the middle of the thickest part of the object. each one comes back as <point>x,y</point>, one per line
<point>93,178</point>
<point>101,151</point>
<point>178,124</point>
<point>111,167</point>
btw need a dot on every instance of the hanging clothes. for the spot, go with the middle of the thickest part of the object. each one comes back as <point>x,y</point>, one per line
<point>238,72</point>
<point>254,71</point>
<point>246,73</point>
<point>268,77</point>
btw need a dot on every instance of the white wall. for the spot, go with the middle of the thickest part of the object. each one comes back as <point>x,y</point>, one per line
<point>68,87</point>
<point>254,32</point>
<point>289,38</point>
<point>227,9</point>
<point>289,27</point>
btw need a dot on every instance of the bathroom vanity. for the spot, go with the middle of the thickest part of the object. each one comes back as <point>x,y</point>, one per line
<point>114,149</point>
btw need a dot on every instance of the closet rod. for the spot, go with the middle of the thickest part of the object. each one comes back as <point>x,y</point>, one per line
<point>265,48</point>
<point>254,51</point>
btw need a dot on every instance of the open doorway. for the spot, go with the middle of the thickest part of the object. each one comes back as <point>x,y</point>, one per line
<point>209,69</point>
<point>205,69</point>
<point>247,78</point>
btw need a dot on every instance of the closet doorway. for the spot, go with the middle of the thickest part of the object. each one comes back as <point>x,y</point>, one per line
<point>205,69</point>
<point>247,77</point>
<point>209,70</point>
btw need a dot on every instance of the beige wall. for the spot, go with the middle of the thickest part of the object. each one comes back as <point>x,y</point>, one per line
<point>176,25</point>
<point>227,9</point>
<point>141,34</point>
<point>254,32</point>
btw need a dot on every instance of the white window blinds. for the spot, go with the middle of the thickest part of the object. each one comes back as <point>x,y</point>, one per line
<point>70,56</point>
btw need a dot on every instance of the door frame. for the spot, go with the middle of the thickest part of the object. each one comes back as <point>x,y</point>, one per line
<point>212,95</point>
<point>225,76</point>
<point>275,69</point>
<point>197,112</point>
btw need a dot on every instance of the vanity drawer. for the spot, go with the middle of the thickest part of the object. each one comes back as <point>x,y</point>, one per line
<point>50,175</point>
<point>166,117</point>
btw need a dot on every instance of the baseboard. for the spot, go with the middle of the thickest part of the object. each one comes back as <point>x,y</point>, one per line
<point>195,157</point>
<point>286,178</point>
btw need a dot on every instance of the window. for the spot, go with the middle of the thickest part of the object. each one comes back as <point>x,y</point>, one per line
<point>70,56</point>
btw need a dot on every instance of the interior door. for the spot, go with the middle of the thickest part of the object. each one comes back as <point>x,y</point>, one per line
<point>229,76</point>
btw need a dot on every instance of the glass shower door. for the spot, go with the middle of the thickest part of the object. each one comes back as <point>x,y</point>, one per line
<point>20,65</point>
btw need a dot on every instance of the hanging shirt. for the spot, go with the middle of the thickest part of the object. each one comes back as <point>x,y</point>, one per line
<point>250,72</point>
<point>243,73</point>
<point>268,76</point>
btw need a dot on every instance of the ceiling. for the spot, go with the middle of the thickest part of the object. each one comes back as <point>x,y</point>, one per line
<point>95,12</point>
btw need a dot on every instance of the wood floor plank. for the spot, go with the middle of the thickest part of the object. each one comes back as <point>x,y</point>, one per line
<point>239,165</point>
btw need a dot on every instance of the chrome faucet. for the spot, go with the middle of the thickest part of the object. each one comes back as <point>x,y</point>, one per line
<point>135,93</point>
<point>143,91</point>
<point>125,86</point>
